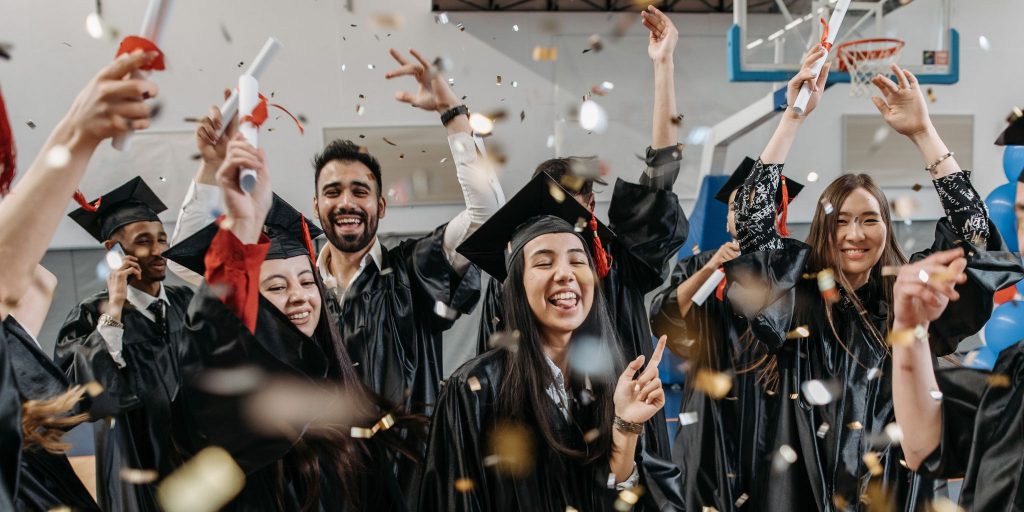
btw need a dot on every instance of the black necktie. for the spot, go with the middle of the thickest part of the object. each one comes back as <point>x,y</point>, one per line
<point>159,315</point>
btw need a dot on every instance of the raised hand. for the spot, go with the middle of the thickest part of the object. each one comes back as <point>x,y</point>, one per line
<point>806,74</point>
<point>902,104</point>
<point>117,285</point>
<point>637,400</point>
<point>662,42</point>
<point>211,148</point>
<point>433,94</point>
<point>246,211</point>
<point>924,289</point>
<point>109,104</point>
<point>726,253</point>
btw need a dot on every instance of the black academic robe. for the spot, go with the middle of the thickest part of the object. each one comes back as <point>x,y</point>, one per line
<point>650,227</point>
<point>277,348</point>
<point>137,402</point>
<point>458,446</point>
<point>714,453</point>
<point>47,480</point>
<point>10,427</point>
<point>831,440</point>
<point>390,323</point>
<point>983,433</point>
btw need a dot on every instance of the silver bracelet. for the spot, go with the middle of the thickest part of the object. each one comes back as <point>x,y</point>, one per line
<point>628,427</point>
<point>941,159</point>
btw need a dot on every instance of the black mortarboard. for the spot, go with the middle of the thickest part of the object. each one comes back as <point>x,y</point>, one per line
<point>284,227</point>
<point>132,202</point>
<point>1013,135</point>
<point>740,175</point>
<point>540,207</point>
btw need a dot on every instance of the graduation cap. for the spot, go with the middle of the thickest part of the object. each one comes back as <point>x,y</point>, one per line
<point>132,202</point>
<point>1013,135</point>
<point>783,196</point>
<point>539,208</point>
<point>290,234</point>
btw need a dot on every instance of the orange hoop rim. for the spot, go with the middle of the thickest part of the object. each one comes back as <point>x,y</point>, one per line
<point>845,51</point>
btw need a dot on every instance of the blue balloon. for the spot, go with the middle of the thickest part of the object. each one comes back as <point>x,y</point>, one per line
<point>1013,162</point>
<point>1006,327</point>
<point>984,359</point>
<point>1000,210</point>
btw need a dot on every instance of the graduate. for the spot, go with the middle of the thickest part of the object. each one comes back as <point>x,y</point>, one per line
<point>714,454</point>
<point>647,218</point>
<point>831,444</point>
<point>270,313</point>
<point>554,420</point>
<point>959,422</point>
<point>127,338</point>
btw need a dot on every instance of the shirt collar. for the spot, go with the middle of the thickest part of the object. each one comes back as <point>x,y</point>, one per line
<point>323,261</point>
<point>142,300</point>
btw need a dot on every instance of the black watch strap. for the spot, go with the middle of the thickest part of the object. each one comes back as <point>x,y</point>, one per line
<point>454,112</point>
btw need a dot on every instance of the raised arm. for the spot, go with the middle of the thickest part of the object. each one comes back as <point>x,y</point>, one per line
<point>32,308</point>
<point>480,187</point>
<point>108,105</point>
<point>660,48</point>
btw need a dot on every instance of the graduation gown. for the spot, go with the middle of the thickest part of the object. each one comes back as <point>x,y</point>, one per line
<point>830,468</point>
<point>10,427</point>
<point>47,480</point>
<point>137,402</point>
<point>459,443</point>
<point>650,227</point>
<point>715,453</point>
<point>983,433</point>
<point>277,347</point>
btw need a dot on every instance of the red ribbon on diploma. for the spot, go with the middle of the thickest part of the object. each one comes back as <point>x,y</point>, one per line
<point>131,43</point>
<point>260,113</point>
<point>824,34</point>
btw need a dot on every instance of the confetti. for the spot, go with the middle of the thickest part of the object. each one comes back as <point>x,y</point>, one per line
<point>545,53</point>
<point>931,95</point>
<point>894,433</point>
<point>233,381</point>
<point>474,384</point>
<point>798,333</point>
<point>481,124</point>
<point>370,66</point>
<point>998,380</point>
<point>463,485</point>
<point>441,18</point>
<point>556,192</point>
<point>515,84</point>
<point>698,135</point>
<point>900,338</point>
<point>823,430</point>
<point>783,458</point>
<point>871,460</point>
<point>139,476</point>
<point>5,50</point>
<point>94,25</point>
<point>742,499</point>
<point>511,449</point>
<point>388,141</point>
<point>58,156</point>
<point>827,285</point>
<point>522,113</point>
<point>595,44</point>
<point>588,356</point>
<point>827,207</point>
<point>812,177</point>
<point>461,26</point>
<point>591,435</point>
<point>603,88</point>
<point>442,310</point>
<point>935,394</point>
<point>627,498</point>
<point>714,384</point>
<point>984,43</point>
<point>361,433</point>
<point>515,28</point>
<point>923,276</point>
<point>497,80</point>
<point>387,21</point>
<point>854,425</point>
<point>344,67</point>
<point>688,418</point>
<point>874,373</point>
<point>593,117</point>
<point>581,225</point>
<point>890,270</point>
<point>816,392</point>
<point>904,207</point>
<point>504,339</point>
<point>917,187</point>
<point>360,110</point>
<point>205,483</point>
<point>940,504</point>
<point>31,124</point>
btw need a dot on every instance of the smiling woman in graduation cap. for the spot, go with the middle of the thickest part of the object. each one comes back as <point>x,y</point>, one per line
<point>552,419</point>
<point>261,307</point>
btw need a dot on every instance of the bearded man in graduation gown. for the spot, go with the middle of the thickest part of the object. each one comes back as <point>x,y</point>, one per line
<point>128,338</point>
<point>647,219</point>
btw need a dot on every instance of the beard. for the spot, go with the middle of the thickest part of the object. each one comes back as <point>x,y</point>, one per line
<point>152,275</point>
<point>350,242</point>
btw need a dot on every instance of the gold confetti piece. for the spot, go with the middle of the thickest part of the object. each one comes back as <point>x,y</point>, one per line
<point>854,425</point>
<point>591,435</point>
<point>708,509</point>
<point>931,95</point>
<point>474,384</point>
<point>827,285</point>
<point>742,499</point>
<point>873,464</point>
<point>998,380</point>
<point>511,449</point>
<point>139,476</point>
<point>545,53</point>
<point>93,388</point>
<point>941,504</point>
<point>385,423</point>
<point>60,508</point>
<point>361,433</point>
<point>823,430</point>
<point>629,497</point>
<point>890,270</point>
<point>714,384</point>
<point>464,485</point>
<point>917,187</point>
<point>570,508</point>
<point>794,396</point>
<point>900,338</point>
<point>798,333</point>
<point>497,80</point>
<point>205,483</point>
<point>556,192</point>
<point>840,502</point>
<point>572,182</point>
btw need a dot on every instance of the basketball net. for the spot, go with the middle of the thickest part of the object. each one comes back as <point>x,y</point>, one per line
<point>865,58</point>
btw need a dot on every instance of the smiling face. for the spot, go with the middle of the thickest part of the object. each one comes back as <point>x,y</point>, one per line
<point>349,204</point>
<point>147,241</point>
<point>289,284</point>
<point>861,235</point>
<point>558,281</point>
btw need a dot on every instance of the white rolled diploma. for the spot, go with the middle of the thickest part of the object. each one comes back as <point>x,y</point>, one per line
<point>152,28</point>
<point>248,98</point>
<point>709,286</point>
<point>255,70</point>
<point>833,29</point>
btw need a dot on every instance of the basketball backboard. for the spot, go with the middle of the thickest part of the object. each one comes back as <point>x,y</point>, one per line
<point>769,37</point>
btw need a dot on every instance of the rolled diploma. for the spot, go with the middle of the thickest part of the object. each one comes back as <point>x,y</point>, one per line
<point>833,29</point>
<point>709,286</point>
<point>248,98</point>
<point>255,70</point>
<point>152,28</point>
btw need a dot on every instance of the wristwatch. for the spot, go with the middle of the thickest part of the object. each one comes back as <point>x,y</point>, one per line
<point>109,321</point>
<point>627,426</point>
<point>452,113</point>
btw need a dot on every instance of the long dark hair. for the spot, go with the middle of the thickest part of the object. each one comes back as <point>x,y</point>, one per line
<point>349,458</point>
<point>523,393</point>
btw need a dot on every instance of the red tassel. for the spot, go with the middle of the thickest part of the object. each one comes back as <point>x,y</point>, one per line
<point>7,152</point>
<point>80,199</point>
<point>720,289</point>
<point>261,112</point>
<point>309,241</point>
<point>783,228</point>
<point>602,260</point>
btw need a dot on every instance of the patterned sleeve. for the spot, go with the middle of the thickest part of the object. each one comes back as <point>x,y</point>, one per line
<point>755,209</point>
<point>964,207</point>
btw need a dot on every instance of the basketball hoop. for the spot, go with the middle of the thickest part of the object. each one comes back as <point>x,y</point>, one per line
<point>865,58</point>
